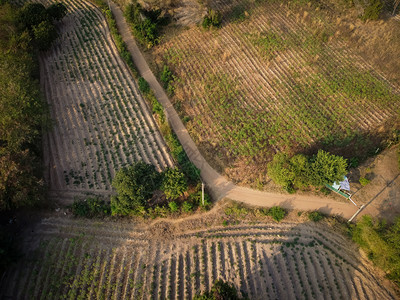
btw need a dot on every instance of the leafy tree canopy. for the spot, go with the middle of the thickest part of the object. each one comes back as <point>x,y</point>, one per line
<point>221,290</point>
<point>135,186</point>
<point>174,183</point>
<point>57,11</point>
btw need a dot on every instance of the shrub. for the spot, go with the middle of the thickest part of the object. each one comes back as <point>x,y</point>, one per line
<point>174,183</point>
<point>45,33</point>
<point>315,216</point>
<point>277,213</point>
<point>212,19</point>
<point>372,10</point>
<point>144,86</point>
<point>187,207</point>
<point>364,181</point>
<point>173,206</point>
<point>166,76</point>
<point>135,185</point>
<point>381,243</point>
<point>57,11</point>
<point>90,207</point>
<point>280,170</point>
<point>221,290</point>
<point>327,168</point>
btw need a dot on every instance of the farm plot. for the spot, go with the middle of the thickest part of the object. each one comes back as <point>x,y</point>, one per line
<point>81,259</point>
<point>274,79</point>
<point>102,122</point>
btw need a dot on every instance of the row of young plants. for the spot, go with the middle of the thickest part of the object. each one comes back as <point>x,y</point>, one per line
<point>185,165</point>
<point>119,131</point>
<point>262,260</point>
<point>310,122</point>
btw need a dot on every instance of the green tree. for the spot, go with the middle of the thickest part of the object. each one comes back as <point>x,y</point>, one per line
<point>135,185</point>
<point>57,11</point>
<point>281,171</point>
<point>212,19</point>
<point>45,33</point>
<point>277,213</point>
<point>221,290</point>
<point>32,14</point>
<point>327,168</point>
<point>300,166</point>
<point>372,10</point>
<point>174,183</point>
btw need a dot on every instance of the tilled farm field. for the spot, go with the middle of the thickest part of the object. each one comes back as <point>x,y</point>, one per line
<point>274,78</point>
<point>79,259</point>
<point>101,120</point>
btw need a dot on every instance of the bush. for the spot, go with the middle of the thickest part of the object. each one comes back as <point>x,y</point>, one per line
<point>364,181</point>
<point>187,207</point>
<point>173,206</point>
<point>45,33</point>
<point>381,243</point>
<point>212,19</point>
<point>280,170</point>
<point>166,77</point>
<point>144,86</point>
<point>135,185</point>
<point>221,290</point>
<point>277,213</point>
<point>57,11</point>
<point>174,183</point>
<point>372,10</point>
<point>315,216</point>
<point>90,207</point>
<point>327,168</point>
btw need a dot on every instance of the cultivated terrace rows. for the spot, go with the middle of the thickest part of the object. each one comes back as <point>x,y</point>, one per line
<point>81,259</point>
<point>101,121</point>
<point>277,80</point>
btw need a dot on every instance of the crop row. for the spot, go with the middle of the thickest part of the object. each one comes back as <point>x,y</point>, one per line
<point>102,122</point>
<point>295,261</point>
<point>306,91</point>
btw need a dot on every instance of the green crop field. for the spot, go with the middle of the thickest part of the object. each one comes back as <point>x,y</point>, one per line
<point>274,78</point>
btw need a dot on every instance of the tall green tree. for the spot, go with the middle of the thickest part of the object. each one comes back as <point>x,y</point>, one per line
<point>135,185</point>
<point>327,168</point>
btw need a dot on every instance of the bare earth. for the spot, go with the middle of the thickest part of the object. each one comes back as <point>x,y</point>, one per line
<point>175,259</point>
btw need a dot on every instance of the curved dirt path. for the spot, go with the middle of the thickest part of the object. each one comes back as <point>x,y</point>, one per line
<point>218,185</point>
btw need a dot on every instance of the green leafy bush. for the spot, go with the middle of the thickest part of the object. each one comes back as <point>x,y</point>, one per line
<point>277,213</point>
<point>221,290</point>
<point>187,207</point>
<point>135,185</point>
<point>45,33</point>
<point>372,10</point>
<point>57,11</point>
<point>90,207</point>
<point>144,86</point>
<point>174,183</point>
<point>212,19</point>
<point>364,181</point>
<point>173,206</point>
<point>381,243</point>
<point>315,216</point>
<point>327,168</point>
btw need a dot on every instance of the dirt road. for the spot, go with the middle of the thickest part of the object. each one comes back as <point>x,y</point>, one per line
<point>219,186</point>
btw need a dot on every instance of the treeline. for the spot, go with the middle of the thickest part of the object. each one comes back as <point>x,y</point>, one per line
<point>23,111</point>
<point>381,242</point>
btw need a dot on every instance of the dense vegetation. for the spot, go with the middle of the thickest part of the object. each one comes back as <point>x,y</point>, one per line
<point>301,171</point>
<point>381,242</point>
<point>145,24</point>
<point>141,190</point>
<point>23,112</point>
<point>220,290</point>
